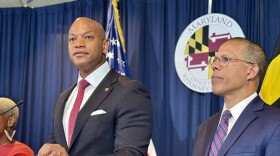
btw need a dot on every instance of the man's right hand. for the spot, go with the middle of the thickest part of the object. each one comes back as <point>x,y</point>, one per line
<point>52,150</point>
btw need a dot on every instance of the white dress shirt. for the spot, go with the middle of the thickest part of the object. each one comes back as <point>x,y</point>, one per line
<point>237,110</point>
<point>94,79</point>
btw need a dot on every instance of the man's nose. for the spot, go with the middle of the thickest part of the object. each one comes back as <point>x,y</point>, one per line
<point>80,43</point>
<point>215,64</point>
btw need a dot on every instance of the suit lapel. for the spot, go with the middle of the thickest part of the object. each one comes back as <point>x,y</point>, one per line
<point>100,93</point>
<point>60,109</point>
<point>210,131</point>
<point>246,117</point>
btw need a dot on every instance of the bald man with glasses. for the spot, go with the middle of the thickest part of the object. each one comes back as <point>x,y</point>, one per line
<point>246,126</point>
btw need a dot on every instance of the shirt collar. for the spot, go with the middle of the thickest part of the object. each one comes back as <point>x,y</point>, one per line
<point>239,107</point>
<point>97,75</point>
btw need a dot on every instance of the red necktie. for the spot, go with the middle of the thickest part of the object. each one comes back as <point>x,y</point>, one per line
<point>220,134</point>
<point>83,84</point>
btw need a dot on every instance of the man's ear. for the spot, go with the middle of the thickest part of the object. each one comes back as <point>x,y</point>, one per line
<point>253,72</point>
<point>11,121</point>
<point>105,46</point>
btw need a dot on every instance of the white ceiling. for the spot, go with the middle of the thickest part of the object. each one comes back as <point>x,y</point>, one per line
<point>30,3</point>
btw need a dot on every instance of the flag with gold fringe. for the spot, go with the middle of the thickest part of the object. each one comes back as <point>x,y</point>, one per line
<point>116,53</point>
<point>270,89</point>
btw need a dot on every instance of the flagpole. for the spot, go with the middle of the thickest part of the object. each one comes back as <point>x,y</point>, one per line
<point>209,6</point>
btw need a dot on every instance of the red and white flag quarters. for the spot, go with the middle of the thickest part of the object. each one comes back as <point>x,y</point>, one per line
<point>151,149</point>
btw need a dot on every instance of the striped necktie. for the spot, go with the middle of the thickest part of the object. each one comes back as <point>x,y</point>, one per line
<point>220,134</point>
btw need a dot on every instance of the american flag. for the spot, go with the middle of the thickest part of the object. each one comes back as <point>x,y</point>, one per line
<point>116,54</point>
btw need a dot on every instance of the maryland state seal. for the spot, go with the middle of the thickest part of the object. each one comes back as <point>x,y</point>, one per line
<point>196,47</point>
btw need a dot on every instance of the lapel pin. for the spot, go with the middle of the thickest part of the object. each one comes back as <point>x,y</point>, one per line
<point>106,89</point>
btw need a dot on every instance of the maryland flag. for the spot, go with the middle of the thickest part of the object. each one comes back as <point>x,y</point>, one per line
<point>116,54</point>
<point>270,89</point>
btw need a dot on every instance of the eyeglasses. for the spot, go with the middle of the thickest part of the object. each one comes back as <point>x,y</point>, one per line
<point>19,103</point>
<point>223,61</point>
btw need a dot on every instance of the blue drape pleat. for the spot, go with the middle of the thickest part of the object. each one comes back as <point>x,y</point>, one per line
<point>34,63</point>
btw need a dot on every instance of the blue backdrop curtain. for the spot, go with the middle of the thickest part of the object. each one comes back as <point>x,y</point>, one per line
<point>34,63</point>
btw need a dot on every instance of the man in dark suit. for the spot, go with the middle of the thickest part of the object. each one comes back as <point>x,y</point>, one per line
<point>251,128</point>
<point>115,116</point>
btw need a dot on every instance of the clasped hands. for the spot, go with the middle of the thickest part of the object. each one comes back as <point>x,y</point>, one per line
<point>52,150</point>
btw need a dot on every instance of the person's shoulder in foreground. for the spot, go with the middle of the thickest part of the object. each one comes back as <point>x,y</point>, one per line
<point>8,118</point>
<point>16,149</point>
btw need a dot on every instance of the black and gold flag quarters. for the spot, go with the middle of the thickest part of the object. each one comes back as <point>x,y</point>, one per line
<point>270,89</point>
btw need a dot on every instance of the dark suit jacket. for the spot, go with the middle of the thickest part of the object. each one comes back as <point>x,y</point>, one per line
<point>124,130</point>
<point>255,133</point>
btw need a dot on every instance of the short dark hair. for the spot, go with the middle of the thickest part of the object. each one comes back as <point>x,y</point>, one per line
<point>254,53</point>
